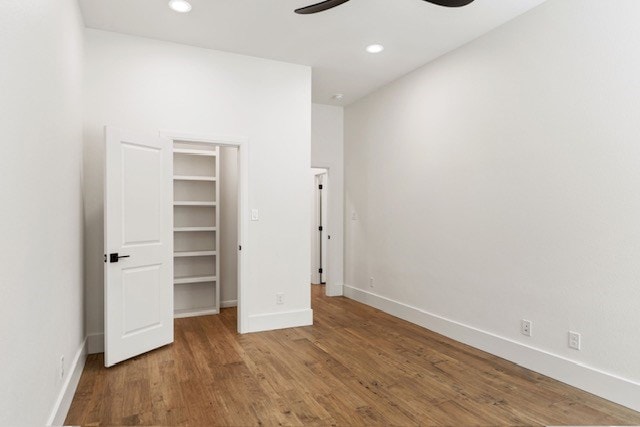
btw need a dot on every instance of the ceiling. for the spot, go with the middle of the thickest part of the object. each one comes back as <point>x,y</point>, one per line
<point>413,32</point>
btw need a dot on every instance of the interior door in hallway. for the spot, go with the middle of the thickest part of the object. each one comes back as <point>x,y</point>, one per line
<point>138,244</point>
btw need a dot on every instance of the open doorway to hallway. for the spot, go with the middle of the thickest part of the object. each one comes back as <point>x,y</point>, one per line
<point>320,235</point>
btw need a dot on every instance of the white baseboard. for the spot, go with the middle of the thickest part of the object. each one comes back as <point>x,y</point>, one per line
<point>68,390</point>
<point>230,303</point>
<point>271,321</point>
<point>95,343</point>
<point>611,387</point>
<point>334,290</point>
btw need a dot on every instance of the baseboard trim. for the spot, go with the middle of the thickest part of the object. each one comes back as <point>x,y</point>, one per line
<point>606,385</point>
<point>334,290</point>
<point>271,321</point>
<point>68,390</point>
<point>95,343</point>
<point>230,303</point>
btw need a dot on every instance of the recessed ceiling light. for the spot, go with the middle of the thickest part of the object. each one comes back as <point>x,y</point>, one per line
<point>338,96</point>
<point>375,48</point>
<point>182,6</point>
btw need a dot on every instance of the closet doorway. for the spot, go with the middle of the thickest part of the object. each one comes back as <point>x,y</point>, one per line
<point>173,234</point>
<point>211,170</point>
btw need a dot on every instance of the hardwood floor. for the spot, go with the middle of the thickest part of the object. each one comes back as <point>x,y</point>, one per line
<point>355,366</point>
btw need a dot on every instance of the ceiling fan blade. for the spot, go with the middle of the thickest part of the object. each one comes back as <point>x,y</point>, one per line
<point>319,7</point>
<point>450,3</point>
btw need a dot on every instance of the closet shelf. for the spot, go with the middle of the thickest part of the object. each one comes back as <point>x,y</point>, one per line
<point>192,229</point>
<point>194,254</point>
<point>192,152</point>
<point>194,178</point>
<point>192,312</point>
<point>196,228</point>
<point>203,204</point>
<point>193,279</point>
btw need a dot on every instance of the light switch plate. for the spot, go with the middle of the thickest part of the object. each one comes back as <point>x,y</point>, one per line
<point>255,216</point>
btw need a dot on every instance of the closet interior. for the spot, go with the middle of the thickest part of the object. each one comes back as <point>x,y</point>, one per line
<point>196,219</point>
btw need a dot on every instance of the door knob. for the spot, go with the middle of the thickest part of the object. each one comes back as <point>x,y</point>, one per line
<point>115,257</point>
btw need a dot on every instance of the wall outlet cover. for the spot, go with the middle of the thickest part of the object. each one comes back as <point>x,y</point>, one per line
<point>525,327</point>
<point>575,340</point>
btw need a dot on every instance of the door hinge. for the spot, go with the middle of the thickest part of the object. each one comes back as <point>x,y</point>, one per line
<point>320,187</point>
<point>320,228</point>
<point>320,270</point>
<point>240,247</point>
<point>105,257</point>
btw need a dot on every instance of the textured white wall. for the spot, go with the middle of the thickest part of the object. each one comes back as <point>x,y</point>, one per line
<point>327,151</point>
<point>41,291</point>
<point>501,182</point>
<point>148,85</point>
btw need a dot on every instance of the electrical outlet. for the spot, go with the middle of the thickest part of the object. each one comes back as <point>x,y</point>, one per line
<point>62,367</point>
<point>279,299</point>
<point>574,340</point>
<point>371,282</point>
<point>525,327</point>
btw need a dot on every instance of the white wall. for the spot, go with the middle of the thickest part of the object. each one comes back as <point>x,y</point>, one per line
<point>327,151</point>
<point>41,291</point>
<point>228,226</point>
<point>149,85</point>
<point>500,182</point>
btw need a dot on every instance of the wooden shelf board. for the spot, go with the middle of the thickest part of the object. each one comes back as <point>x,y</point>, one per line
<point>194,254</point>
<point>193,312</point>
<point>193,229</point>
<point>198,204</point>
<point>193,279</point>
<point>194,178</point>
<point>192,152</point>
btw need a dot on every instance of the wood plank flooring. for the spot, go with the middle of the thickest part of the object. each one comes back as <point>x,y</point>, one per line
<point>354,366</point>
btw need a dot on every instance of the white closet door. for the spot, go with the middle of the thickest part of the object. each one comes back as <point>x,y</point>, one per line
<point>138,244</point>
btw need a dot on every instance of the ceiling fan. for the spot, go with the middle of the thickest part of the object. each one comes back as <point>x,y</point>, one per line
<point>328,4</point>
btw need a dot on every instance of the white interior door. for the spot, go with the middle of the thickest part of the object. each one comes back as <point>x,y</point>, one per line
<point>138,244</point>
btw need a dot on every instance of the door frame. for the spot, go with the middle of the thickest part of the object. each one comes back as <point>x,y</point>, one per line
<point>242,143</point>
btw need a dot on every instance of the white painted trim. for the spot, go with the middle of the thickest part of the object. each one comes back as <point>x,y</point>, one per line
<point>284,320</point>
<point>243,205</point>
<point>196,312</point>
<point>199,137</point>
<point>68,390</point>
<point>614,388</point>
<point>95,343</point>
<point>230,303</point>
<point>333,290</point>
